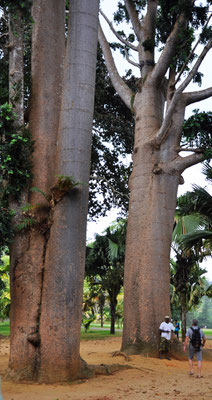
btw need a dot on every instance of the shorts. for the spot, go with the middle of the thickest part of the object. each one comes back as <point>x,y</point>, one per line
<point>192,351</point>
<point>164,344</point>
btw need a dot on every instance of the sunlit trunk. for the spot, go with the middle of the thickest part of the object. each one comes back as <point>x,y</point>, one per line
<point>150,223</point>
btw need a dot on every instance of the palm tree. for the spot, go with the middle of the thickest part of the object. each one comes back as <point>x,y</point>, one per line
<point>191,243</point>
<point>188,283</point>
<point>198,202</point>
<point>105,263</point>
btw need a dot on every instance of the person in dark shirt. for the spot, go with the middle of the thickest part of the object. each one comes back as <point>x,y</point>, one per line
<point>177,328</point>
<point>192,350</point>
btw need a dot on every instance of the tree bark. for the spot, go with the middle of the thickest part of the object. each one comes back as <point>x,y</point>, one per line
<point>47,270</point>
<point>61,307</point>
<point>157,168</point>
<point>150,223</point>
<point>29,247</point>
<point>16,66</point>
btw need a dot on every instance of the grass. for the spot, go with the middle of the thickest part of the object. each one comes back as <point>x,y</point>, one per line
<point>5,328</point>
<point>91,334</point>
<point>207,332</point>
<point>97,334</point>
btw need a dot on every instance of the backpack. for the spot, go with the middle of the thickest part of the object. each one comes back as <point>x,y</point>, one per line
<point>196,338</point>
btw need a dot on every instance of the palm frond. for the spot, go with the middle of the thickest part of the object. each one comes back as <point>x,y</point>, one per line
<point>113,249</point>
<point>196,238</point>
<point>207,170</point>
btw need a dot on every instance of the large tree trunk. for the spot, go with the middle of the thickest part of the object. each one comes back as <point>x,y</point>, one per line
<point>60,320</point>
<point>29,247</point>
<point>150,224</point>
<point>47,271</point>
<point>157,167</point>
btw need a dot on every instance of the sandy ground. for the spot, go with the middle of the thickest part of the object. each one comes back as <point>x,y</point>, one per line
<point>150,378</point>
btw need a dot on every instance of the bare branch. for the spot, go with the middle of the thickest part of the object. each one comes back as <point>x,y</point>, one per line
<point>193,149</point>
<point>119,37</point>
<point>120,86</point>
<point>102,178</point>
<point>181,163</point>
<point>168,118</point>
<point>178,94</point>
<point>193,97</point>
<point>134,18</point>
<point>191,53</point>
<point>168,52</point>
<point>130,61</point>
<point>4,34</point>
<point>195,67</point>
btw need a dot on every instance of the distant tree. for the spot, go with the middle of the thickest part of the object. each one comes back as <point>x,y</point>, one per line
<point>186,273</point>
<point>188,283</point>
<point>199,203</point>
<point>104,264</point>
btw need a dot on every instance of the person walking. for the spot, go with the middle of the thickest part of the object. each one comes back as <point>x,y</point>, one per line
<point>177,328</point>
<point>166,328</point>
<point>196,339</point>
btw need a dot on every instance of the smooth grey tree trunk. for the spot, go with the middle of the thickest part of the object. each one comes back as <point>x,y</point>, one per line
<point>61,307</point>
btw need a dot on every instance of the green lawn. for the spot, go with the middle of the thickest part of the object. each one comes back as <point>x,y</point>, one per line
<point>207,332</point>
<point>97,334</point>
<point>5,328</point>
<point>92,334</point>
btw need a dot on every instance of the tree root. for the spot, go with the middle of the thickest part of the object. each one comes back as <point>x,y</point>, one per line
<point>121,353</point>
<point>105,369</point>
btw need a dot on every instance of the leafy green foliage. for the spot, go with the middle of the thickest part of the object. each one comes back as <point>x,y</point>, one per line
<point>197,130</point>
<point>105,263</point>
<point>186,277</point>
<point>122,13</point>
<point>197,203</point>
<point>15,155</point>
<point>112,142</point>
<point>6,231</point>
<point>4,287</point>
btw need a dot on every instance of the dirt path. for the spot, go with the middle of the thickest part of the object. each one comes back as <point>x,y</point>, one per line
<point>151,379</point>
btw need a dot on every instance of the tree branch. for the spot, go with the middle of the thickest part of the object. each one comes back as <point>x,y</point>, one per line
<point>193,149</point>
<point>134,18</point>
<point>181,163</point>
<point>120,86</point>
<point>167,120</point>
<point>102,178</point>
<point>4,34</point>
<point>168,52</point>
<point>191,53</point>
<point>195,67</point>
<point>193,97</point>
<point>119,37</point>
<point>130,61</point>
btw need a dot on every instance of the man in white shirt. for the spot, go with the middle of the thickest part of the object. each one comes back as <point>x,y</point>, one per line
<point>166,328</point>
